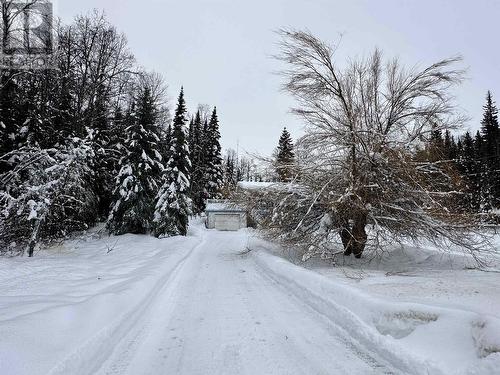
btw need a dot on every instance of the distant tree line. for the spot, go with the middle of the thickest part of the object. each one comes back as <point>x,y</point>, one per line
<point>91,139</point>
<point>281,167</point>
<point>239,168</point>
<point>475,157</point>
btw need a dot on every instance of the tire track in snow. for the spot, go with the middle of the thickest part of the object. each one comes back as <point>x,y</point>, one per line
<point>366,355</point>
<point>154,316</point>
<point>90,357</point>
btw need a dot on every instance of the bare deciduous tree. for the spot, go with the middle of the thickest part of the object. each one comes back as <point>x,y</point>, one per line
<point>98,61</point>
<point>155,83</point>
<point>12,11</point>
<point>358,170</point>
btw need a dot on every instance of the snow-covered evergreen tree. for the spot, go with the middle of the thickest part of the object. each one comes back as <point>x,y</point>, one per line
<point>213,158</point>
<point>171,216</point>
<point>229,178</point>
<point>490,132</point>
<point>450,146</point>
<point>141,166</point>
<point>469,167</point>
<point>197,189</point>
<point>285,157</point>
<point>99,127</point>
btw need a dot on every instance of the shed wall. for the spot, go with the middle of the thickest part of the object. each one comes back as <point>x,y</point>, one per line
<point>239,217</point>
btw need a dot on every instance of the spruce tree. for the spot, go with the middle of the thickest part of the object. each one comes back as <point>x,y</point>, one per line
<point>101,136</point>
<point>64,119</point>
<point>37,112</point>
<point>480,168</point>
<point>10,115</point>
<point>191,135</point>
<point>117,139</point>
<point>229,173</point>
<point>172,210</point>
<point>450,147</point>
<point>490,155</point>
<point>436,146</point>
<point>469,167</point>
<point>197,189</point>
<point>285,157</point>
<point>136,185</point>
<point>167,143</point>
<point>213,161</point>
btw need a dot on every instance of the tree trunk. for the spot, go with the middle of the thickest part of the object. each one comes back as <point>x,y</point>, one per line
<point>31,249</point>
<point>346,237</point>
<point>359,234</point>
<point>34,237</point>
<point>354,237</point>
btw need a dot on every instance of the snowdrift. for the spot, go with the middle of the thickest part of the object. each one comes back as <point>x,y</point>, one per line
<point>417,338</point>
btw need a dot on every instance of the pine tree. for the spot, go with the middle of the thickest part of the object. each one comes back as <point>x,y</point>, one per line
<point>213,158</point>
<point>64,120</point>
<point>436,146</point>
<point>480,168</point>
<point>450,147</point>
<point>172,210</point>
<point>489,125</point>
<point>102,143</point>
<point>10,118</point>
<point>136,185</point>
<point>229,179</point>
<point>191,134</point>
<point>197,189</point>
<point>470,168</point>
<point>491,155</point>
<point>117,139</point>
<point>37,112</point>
<point>285,157</point>
<point>167,142</point>
<point>478,146</point>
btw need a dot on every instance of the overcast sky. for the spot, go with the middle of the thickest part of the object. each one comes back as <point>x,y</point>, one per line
<point>219,50</point>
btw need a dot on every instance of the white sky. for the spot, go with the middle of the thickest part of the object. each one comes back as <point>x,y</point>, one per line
<point>220,49</point>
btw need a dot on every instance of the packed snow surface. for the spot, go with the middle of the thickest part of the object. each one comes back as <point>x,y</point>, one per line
<point>221,303</point>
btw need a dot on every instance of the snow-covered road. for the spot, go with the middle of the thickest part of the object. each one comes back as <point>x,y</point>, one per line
<point>219,314</point>
<point>205,308</point>
<point>215,303</point>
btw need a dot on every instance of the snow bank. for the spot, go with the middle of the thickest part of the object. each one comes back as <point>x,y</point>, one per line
<point>84,296</point>
<point>418,338</point>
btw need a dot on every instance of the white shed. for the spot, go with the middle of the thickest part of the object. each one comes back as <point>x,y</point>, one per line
<point>222,215</point>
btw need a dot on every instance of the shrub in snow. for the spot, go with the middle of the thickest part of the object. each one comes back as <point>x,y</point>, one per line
<point>45,194</point>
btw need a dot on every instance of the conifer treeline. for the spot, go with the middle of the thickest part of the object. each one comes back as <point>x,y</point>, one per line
<point>158,186</point>
<point>476,157</point>
<point>91,139</point>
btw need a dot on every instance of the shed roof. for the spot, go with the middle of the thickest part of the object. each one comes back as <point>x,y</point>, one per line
<point>222,206</point>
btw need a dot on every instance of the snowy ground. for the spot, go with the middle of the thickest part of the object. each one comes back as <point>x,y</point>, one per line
<point>220,303</point>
